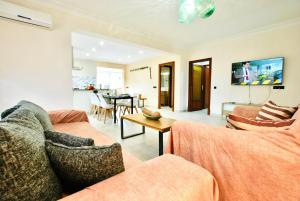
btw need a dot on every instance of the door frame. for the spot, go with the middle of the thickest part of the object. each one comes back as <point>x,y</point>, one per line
<point>191,81</point>
<point>171,63</point>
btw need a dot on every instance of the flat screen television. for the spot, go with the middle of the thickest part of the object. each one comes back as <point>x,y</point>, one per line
<point>258,72</point>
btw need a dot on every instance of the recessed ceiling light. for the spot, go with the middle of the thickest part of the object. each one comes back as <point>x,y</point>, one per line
<point>94,49</point>
<point>87,54</point>
<point>129,56</point>
<point>101,43</point>
<point>141,52</point>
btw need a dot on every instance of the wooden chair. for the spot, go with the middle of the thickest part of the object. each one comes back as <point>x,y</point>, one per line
<point>95,104</point>
<point>106,108</point>
<point>127,106</point>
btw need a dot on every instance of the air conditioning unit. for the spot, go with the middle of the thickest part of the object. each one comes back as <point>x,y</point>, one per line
<point>22,14</point>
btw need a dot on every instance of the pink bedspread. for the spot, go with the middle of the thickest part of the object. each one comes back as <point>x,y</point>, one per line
<point>165,178</point>
<point>248,166</point>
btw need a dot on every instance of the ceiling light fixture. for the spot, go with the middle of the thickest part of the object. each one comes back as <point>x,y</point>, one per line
<point>129,56</point>
<point>101,43</point>
<point>94,49</point>
<point>189,9</point>
<point>87,54</point>
<point>141,52</point>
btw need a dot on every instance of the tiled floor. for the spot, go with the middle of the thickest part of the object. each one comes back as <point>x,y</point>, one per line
<point>145,147</point>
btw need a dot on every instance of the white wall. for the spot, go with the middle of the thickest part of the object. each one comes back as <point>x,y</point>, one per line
<point>140,82</point>
<point>36,64</point>
<point>284,41</point>
<point>89,68</point>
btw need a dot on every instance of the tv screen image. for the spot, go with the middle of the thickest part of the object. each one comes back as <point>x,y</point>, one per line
<point>258,72</point>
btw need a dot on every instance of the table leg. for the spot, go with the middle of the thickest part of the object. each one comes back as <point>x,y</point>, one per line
<point>122,128</point>
<point>129,136</point>
<point>131,105</point>
<point>161,144</point>
<point>115,110</point>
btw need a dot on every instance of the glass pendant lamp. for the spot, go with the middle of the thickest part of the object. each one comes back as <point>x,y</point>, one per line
<point>189,9</point>
<point>204,8</point>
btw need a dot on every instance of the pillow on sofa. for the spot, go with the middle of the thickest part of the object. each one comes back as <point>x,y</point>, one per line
<point>242,123</point>
<point>8,111</point>
<point>271,111</point>
<point>297,114</point>
<point>80,167</point>
<point>26,172</point>
<point>39,113</point>
<point>68,140</point>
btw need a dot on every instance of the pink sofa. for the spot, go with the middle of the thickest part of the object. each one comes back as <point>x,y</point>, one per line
<point>164,178</point>
<point>248,166</point>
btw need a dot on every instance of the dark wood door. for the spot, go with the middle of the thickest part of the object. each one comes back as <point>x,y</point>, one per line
<point>199,85</point>
<point>197,88</point>
<point>206,86</point>
<point>166,91</point>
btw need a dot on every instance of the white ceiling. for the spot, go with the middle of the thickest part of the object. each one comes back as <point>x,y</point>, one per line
<point>101,48</point>
<point>158,18</point>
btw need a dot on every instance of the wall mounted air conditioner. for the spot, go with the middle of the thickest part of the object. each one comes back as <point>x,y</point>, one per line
<point>22,14</point>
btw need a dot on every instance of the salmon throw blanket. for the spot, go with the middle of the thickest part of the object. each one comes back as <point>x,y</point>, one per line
<point>248,166</point>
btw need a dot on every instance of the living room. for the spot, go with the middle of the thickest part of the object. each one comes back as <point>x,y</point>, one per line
<point>40,63</point>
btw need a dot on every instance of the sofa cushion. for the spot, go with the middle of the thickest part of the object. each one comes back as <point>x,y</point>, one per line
<point>84,129</point>
<point>297,114</point>
<point>39,113</point>
<point>8,111</point>
<point>272,111</point>
<point>26,173</point>
<point>68,140</point>
<point>242,123</point>
<point>80,167</point>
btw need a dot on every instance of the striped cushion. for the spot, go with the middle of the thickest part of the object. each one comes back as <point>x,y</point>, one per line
<point>242,123</point>
<point>271,111</point>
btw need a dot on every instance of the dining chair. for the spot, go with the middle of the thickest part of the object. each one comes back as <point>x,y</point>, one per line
<point>127,105</point>
<point>107,108</point>
<point>95,104</point>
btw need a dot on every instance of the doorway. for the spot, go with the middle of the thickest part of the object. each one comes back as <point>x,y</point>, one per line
<point>199,85</point>
<point>166,74</point>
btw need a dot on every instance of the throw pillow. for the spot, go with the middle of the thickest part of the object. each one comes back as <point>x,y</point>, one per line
<point>68,140</point>
<point>39,113</point>
<point>9,111</point>
<point>25,170</point>
<point>80,167</point>
<point>242,123</point>
<point>271,111</point>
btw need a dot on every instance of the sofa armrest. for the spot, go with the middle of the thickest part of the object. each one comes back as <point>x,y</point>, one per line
<point>67,116</point>
<point>163,178</point>
<point>246,111</point>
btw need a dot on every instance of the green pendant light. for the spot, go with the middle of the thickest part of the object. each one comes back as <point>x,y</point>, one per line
<point>189,9</point>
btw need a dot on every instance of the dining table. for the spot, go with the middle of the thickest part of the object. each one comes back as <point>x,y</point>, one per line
<point>114,98</point>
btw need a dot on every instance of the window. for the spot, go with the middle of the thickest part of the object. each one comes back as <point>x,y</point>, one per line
<point>110,78</point>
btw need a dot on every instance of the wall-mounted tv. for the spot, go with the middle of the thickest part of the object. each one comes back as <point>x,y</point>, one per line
<point>258,72</point>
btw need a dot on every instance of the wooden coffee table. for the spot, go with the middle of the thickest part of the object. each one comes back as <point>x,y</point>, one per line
<point>162,125</point>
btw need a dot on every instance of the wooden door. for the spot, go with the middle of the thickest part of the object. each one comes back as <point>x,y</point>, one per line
<point>206,87</point>
<point>197,88</point>
<point>199,85</point>
<point>166,97</point>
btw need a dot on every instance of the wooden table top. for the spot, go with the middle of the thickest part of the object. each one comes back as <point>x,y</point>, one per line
<point>162,125</point>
